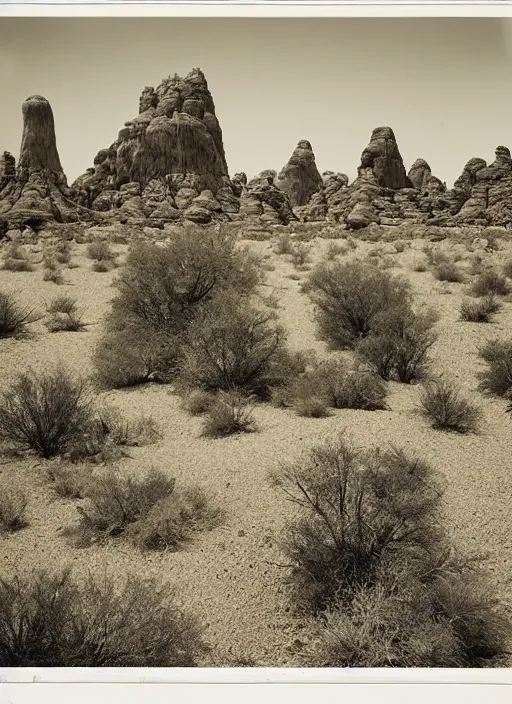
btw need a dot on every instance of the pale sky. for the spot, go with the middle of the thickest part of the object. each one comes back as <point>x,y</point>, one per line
<point>443,85</point>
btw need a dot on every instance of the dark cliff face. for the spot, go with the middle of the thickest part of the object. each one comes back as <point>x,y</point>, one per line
<point>300,178</point>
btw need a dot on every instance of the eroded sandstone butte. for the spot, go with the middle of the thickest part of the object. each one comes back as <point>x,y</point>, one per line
<point>166,162</point>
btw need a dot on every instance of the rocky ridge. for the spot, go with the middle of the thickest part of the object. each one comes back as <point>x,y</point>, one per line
<point>168,165</point>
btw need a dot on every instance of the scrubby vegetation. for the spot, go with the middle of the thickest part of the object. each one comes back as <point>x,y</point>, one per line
<point>443,404</point>
<point>15,258</point>
<point>490,283</point>
<point>52,413</point>
<point>51,620</point>
<point>160,291</point>
<point>479,311</point>
<point>231,412</point>
<point>149,512</point>
<point>349,296</point>
<point>14,317</point>
<point>399,343</point>
<point>448,271</point>
<point>497,378</point>
<point>64,315</point>
<point>367,551</point>
<point>13,503</point>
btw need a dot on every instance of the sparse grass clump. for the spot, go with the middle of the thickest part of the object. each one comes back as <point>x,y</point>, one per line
<point>490,283</point>
<point>336,249</point>
<point>14,317</point>
<point>51,620</point>
<point>13,503</point>
<point>231,413</point>
<point>448,271</point>
<point>198,402</point>
<point>15,258</point>
<point>131,432</point>
<point>399,344</point>
<point>301,255</point>
<point>479,311</point>
<point>64,315</point>
<point>497,378</point>
<point>348,297</point>
<point>445,407</point>
<point>53,270</point>
<point>68,479</point>
<point>100,251</point>
<point>284,244</point>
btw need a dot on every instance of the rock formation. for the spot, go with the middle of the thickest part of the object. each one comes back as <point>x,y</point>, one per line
<point>300,178</point>
<point>166,162</point>
<point>419,174</point>
<point>262,199</point>
<point>36,191</point>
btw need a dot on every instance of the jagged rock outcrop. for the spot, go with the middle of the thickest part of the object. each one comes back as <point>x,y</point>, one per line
<point>383,157</point>
<point>490,194</point>
<point>262,199</point>
<point>300,178</point>
<point>419,174</point>
<point>371,197</point>
<point>172,151</point>
<point>36,191</point>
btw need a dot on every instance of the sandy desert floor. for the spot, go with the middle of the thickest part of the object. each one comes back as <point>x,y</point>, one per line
<point>231,577</point>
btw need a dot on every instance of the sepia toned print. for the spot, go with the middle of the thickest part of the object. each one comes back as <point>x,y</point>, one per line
<point>255,416</point>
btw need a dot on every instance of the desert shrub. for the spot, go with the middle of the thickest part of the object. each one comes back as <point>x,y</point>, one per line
<point>479,311</point>
<point>198,402</point>
<point>100,251</point>
<point>13,503</point>
<point>53,271</point>
<point>445,407</point>
<point>400,246</point>
<point>435,256</point>
<point>337,385</point>
<point>231,413</point>
<point>134,356</point>
<point>68,479</point>
<point>349,295</point>
<point>355,508</point>
<point>161,286</point>
<point>448,271</point>
<point>64,314</point>
<point>115,501</point>
<point>452,621</point>
<point>307,398</point>
<point>14,317</point>
<point>45,411</point>
<point>160,290</point>
<point>497,378</point>
<point>16,259</point>
<point>102,266</point>
<point>58,251</point>
<point>51,620</point>
<point>172,520</point>
<point>335,249</point>
<point>284,244</point>
<point>232,344</point>
<point>420,265</point>
<point>300,254</point>
<point>131,432</point>
<point>507,269</point>
<point>399,344</point>
<point>490,283</point>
